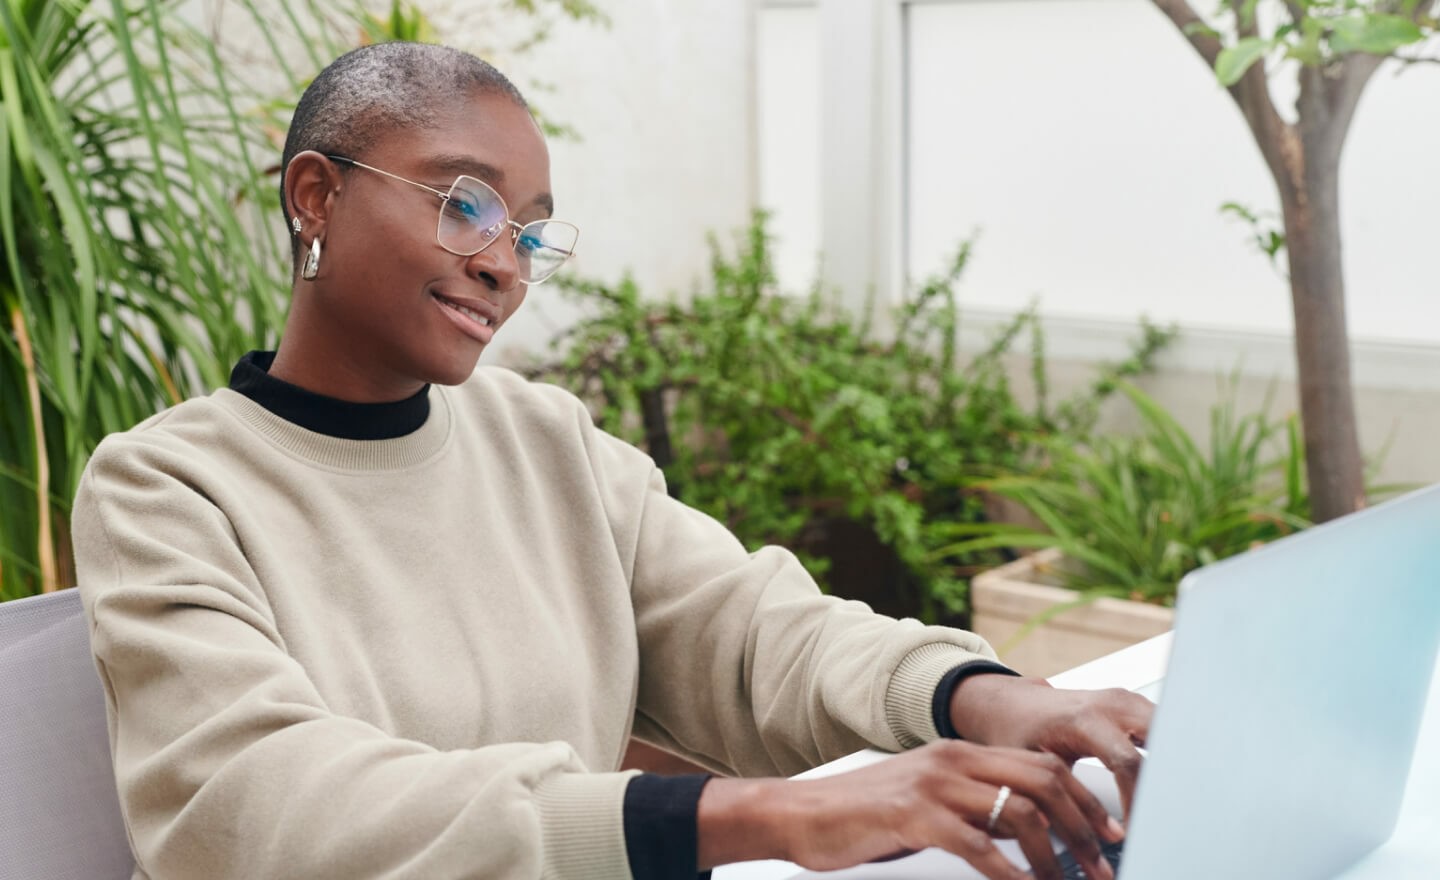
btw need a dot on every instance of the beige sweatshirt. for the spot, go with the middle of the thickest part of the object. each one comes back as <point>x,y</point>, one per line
<point>423,657</point>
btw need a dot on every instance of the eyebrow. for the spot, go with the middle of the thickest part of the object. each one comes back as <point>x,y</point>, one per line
<point>449,163</point>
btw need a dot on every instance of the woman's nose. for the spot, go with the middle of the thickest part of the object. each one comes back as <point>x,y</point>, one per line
<point>497,266</point>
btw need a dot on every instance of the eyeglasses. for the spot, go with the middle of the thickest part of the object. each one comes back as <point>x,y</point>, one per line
<point>473,216</point>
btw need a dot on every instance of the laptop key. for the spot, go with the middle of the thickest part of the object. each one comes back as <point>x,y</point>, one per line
<point>1072,869</point>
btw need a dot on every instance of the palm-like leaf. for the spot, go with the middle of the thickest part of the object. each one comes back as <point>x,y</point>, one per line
<point>138,257</point>
<point>1139,513</point>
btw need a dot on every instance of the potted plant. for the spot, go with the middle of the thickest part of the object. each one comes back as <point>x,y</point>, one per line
<point>1125,518</point>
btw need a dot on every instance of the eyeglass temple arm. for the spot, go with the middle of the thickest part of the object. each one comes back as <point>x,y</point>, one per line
<point>349,161</point>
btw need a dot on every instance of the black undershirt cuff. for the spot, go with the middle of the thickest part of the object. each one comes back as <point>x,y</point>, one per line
<point>940,706</point>
<point>326,415</point>
<point>661,831</point>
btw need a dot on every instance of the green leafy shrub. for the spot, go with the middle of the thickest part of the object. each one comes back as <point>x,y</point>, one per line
<point>794,422</point>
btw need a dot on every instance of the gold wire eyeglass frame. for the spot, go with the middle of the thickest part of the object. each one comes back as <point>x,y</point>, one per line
<point>516,230</point>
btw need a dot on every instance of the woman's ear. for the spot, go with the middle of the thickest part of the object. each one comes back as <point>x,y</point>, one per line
<point>311,184</point>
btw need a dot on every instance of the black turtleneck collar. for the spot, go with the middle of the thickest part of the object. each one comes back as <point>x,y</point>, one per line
<point>327,415</point>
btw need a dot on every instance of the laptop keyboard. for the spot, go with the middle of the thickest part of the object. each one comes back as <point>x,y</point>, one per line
<point>1073,871</point>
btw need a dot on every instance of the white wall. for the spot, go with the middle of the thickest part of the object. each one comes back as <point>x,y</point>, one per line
<point>1091,150</point>
<point>662,102</point>
<point>787,112</point>
<point>1091,147</point>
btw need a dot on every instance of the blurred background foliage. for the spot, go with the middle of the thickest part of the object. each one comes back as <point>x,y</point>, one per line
<point>851,438</point>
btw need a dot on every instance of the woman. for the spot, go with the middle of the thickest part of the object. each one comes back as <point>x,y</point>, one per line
<point>370,611</point>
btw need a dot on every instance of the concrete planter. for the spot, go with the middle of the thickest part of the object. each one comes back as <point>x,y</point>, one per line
<point>1003,599</point>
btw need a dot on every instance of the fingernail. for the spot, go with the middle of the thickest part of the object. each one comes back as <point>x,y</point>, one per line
<point>1117,831</point>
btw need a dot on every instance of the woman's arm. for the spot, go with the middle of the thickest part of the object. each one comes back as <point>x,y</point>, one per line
<point>747,668</point>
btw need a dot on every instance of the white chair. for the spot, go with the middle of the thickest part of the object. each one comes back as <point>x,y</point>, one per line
<point>59,814</point>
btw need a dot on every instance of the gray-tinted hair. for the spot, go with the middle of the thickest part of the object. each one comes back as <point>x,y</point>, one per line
<point>370,91</point>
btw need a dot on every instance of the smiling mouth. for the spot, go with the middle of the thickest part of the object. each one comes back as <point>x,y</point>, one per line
<point>469,313</point>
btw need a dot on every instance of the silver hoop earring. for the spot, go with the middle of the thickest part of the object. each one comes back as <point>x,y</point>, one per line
<point>312,261</point>
<point>295,224</point>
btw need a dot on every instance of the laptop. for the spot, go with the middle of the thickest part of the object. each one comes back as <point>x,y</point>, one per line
<point>1292,700</point>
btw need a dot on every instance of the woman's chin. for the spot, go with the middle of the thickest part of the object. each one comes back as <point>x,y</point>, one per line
<point>458,368</point>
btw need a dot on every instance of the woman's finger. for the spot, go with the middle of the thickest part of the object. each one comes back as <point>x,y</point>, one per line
<point>1021,820</point>
<point>957,836</point>
<point>1074,813</point>
<point>1090,806</point>
<point>1112,734</point>
<point>1051,800</point>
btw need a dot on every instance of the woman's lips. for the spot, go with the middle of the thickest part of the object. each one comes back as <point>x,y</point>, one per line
<point>469,321</point>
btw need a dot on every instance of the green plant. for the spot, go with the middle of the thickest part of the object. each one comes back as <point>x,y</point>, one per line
<point>793,422</point>
<point>129,173</point>
<point>1133,515</point>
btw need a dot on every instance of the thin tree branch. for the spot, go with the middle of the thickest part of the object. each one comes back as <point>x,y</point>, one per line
<point>1276,139</point>
<point>1193,27</point>
<point>1244,29</point>
<point>1357,69</point>
<point>1355,73</point>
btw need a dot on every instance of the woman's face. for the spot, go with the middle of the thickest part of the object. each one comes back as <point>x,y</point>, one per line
<point>391,306</point>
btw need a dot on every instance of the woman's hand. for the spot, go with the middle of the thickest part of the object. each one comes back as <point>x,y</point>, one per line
<point>939,795</point>
<point>1027,713</point>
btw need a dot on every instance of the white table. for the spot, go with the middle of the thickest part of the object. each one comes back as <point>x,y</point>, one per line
<point>1412,853</point>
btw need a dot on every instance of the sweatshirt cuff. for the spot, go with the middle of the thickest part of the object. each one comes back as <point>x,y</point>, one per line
<point>910,697</point>
<point>940,708</point>
<point>661,829</point>
<point>581,826</point>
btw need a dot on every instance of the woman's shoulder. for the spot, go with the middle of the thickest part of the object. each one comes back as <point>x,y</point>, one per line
<point>501,389</point>
<point>542,419</point>
<point>194,428</point>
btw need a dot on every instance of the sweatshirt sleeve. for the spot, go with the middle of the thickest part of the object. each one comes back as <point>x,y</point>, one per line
<point>229,763</point>
<point>745,666</point>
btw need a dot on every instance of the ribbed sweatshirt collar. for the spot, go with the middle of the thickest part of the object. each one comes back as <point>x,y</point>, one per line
<point>333,432</point>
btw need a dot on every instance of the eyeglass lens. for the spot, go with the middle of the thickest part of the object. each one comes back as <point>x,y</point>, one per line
<point>474,216</point>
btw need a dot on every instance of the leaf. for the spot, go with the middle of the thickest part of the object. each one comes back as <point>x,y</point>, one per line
<point>1235,60</point>
<point>1374,34</point>
<point>1240,211</point>
<point>1200,28</point>
<point>1308,50</point>
<point>1247,13</point>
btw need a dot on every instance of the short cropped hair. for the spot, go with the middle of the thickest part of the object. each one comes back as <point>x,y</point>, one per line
<point>373,90</point>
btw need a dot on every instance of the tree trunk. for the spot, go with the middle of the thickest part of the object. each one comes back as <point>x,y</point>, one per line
<point>1322,348</point>
<point>1304,159</point>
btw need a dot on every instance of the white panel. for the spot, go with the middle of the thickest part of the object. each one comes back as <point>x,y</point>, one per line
<point>1389,193</point>
<point>787,56</point>
<point>1091,147</point>
<point>661,104</point>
